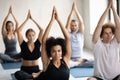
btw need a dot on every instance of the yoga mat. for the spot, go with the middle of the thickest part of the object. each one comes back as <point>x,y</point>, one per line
<point>81,72</point>
<point>12,65</point>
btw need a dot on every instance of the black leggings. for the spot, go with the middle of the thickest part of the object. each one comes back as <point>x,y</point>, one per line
<point>116,78</point>
<point>26,72</point>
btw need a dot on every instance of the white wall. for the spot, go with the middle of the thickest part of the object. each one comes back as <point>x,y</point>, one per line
<point>41,11</point>
<point>92,10</point>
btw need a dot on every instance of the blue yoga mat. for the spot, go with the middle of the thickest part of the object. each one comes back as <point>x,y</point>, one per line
<point>12,65</point>
<point>81,72</point>
<point>75,72</point>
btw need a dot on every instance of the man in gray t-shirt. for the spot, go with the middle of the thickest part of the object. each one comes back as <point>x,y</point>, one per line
<point>76,32</point>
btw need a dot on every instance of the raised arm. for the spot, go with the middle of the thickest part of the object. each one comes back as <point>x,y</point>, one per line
<point>98,29</point>
<point>16,25</point>
<point>40,29</point>
<point>69,19</point>
<point>19,30</point>
<point>117,23</point>
<point>80,20</point>
<point>4,32</point>
<point>67,38</point>
<point>45,59</point>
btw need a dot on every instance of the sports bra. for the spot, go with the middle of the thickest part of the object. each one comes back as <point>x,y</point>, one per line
<point>26,54</point>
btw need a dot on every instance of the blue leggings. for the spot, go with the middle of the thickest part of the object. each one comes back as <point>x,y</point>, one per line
<point>116,78</point>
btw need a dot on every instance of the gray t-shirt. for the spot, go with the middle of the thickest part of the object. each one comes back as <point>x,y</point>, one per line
<point>77,42</point>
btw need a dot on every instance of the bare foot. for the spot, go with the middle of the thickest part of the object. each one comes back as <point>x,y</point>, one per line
<point>35,75</point>
<point>17,60</point>
<point>82,61</point>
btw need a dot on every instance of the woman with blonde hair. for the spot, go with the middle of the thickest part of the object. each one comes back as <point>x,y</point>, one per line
<point>30,50</point>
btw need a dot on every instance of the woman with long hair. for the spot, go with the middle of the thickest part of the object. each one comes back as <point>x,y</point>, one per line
<point>30,50</point>
<point>10,39</point>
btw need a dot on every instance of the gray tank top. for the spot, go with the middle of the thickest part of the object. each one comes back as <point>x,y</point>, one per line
<point>10,46</point>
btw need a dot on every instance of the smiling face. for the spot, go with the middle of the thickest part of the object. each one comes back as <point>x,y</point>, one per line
<point>56,52</point>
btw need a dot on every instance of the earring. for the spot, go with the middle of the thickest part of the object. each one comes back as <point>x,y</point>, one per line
<point>60,57</point>
<point>50,58</point>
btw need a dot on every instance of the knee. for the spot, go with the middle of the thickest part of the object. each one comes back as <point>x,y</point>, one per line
<point>17,74</point>
<point>91,78</point>
<point>21,75</point>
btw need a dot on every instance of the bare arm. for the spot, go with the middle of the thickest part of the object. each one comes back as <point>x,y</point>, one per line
<point>19,30</point>
<point>4,32</point>
<point>69,19</point>
<point>45,59</point>
<point>67,38</point>
<point>80,20</point>
<point>40,30</point>
<point>117,23</point>
<point>98,29</point>
<point>16,26</point>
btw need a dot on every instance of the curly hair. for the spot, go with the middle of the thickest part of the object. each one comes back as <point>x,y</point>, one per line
<point>50,42</point>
